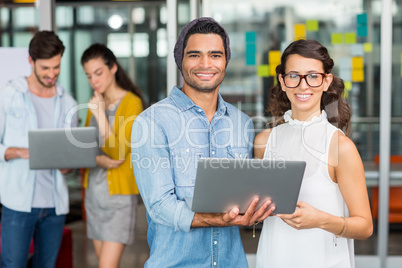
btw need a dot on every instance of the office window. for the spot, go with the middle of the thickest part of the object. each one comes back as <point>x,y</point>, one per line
<point>22,39</point>
<point>4,17</point>
<point>5,40</point>
<point>26,17</point>
<point>141,45</point>
<point>163,14</point>
<point>161,43</point>
<point>85,15</point>
<point>183,13</point>
<point>120,44</point>
<point>138,15</point>
<point>64,16</point>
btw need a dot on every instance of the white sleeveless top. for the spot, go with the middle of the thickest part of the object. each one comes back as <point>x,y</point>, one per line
<point>282,246</point>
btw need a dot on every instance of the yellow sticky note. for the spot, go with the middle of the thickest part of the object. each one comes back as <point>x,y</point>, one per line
<point>312,25</point>
<point>336,38</point>
<point>300,31</point>
<point>368,47</point>
<point>263,70</point>
<point>274,57</point>
<point>272,69</point>
<point>350,38</point>
<point>357,63</point>
<point>357,75</point>
<point>348,85</point>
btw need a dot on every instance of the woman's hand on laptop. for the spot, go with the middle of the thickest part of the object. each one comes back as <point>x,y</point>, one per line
<point>305,217</point>
<point>107,162</point>
<point>66,170</point>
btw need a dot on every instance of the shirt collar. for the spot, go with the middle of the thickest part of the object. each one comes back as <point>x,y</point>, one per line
<point>184,103</point>
<point>25,88</point>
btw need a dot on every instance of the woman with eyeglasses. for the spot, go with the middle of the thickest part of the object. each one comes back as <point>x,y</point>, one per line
<point>312,119</point>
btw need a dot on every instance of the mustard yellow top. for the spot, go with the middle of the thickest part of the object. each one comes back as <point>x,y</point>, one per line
<point>121,179</point>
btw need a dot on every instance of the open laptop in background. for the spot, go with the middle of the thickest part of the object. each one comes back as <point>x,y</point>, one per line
<point>59,148</point>
<point>222,184</point>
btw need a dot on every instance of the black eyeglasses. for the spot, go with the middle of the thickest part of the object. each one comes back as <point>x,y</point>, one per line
<point>313,79</point>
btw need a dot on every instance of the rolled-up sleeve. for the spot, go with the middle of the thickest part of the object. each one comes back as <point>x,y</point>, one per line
<point>154,174</point>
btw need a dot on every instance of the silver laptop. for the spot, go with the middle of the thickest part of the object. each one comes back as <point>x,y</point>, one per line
<point>222,184</point>
<point>62,148</point>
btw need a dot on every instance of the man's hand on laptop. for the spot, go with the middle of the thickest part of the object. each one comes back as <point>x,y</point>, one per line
<point>234,218</point>
<point>14,152</point>
<point>251,216</point>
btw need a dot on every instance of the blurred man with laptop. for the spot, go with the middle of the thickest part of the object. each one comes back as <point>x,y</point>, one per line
<point>35,202</point>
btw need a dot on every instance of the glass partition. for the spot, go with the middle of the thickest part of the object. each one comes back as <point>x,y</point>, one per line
<point>136,32</point>
<point>133,31</point>
<point>17,25</point>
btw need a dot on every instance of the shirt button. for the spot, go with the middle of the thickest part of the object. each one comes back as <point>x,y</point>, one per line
<point>188,150</point>
<point>214,263</point>
<point>199,110</point>
<point>213,152</point>
<point>215,242</point>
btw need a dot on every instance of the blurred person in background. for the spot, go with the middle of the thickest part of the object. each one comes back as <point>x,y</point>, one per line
<point>111,196</point>
<point>35,202</point>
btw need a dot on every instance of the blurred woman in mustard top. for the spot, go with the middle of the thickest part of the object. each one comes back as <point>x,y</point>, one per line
<point>111,195</point>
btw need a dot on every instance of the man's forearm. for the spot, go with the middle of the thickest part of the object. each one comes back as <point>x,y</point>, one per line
<point>215,219</point>
<point>207,220</point>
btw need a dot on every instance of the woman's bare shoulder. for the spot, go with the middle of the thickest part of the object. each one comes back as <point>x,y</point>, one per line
<point>342,149</point>
<point>260,142</point>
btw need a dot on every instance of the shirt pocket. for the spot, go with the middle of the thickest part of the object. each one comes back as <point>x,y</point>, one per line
<point>15,119</point>
<point>184,161</point>
<point>238,152</point>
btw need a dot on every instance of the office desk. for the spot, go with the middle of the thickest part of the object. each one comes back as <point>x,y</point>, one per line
<point>372,174</point>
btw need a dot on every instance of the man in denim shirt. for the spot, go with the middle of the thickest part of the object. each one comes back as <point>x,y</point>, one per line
<point>167,140</point>
<point>35,202</point>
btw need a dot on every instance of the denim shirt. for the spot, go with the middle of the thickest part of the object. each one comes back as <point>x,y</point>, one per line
<point>167,139</point>
<point>17,117</point>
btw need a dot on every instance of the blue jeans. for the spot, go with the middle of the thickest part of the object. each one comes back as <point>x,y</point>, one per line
<point>17,230</point>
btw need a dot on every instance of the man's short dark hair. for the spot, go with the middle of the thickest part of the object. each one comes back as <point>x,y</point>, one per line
<point>45,45</point>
